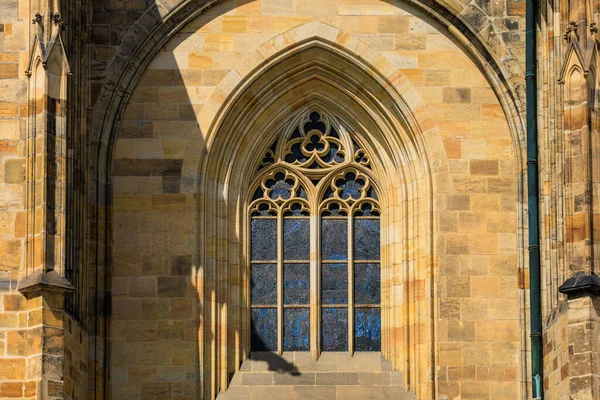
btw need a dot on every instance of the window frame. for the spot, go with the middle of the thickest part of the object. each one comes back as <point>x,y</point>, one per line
<point>315,201</point>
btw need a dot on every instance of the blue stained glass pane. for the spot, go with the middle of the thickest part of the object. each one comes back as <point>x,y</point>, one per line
<point>366,210</point>
<point>264,329</point>
<point>334,210</point>
<point>366,239</point>
<point>333,154</point>
<point>334,239</point>
<point>367,329</point>
<point>258,194</point>
<point>296,283</point>
<point>296,329</point>
<point>296,210</point>
<point>302,193</point>
<point>328,193</point>
<point>296,154</point>
<point>264,239</point>
<point>280,188</point>
<point>334,329</point>
<point>264,284</point>
<point>314,123</point>
<point>367,288</point>
<point>372,193</point>
<point>296,239</point>
<point>334,283</point>
<point>351,187</point>
<point>315,143</point>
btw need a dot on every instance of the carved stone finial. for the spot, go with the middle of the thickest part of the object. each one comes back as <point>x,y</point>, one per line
<point>571,32</point>
<point>57,19</point>
<point>37,19</point>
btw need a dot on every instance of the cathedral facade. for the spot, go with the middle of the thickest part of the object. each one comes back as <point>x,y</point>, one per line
<point>299,199</point>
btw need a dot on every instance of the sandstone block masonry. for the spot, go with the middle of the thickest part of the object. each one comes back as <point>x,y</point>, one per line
<point>128,135</point>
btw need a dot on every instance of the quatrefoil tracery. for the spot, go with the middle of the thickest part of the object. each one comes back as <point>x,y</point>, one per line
<point>296,208</point>
<point>280,185</point>
<point>350,192</point>
<point>315,147</point>
<point>279,189</point>
<point>314,144</point>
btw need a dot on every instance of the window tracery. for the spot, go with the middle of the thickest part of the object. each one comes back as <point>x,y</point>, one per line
<point>314,242</point>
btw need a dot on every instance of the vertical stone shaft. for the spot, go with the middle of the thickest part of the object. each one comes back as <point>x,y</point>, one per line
<point>580,128</point>
<point>578,160</point>
<point>42,281</point>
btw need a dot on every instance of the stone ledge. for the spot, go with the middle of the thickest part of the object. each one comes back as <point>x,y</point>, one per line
<point>581,284</point>
<point>40,280</point>
<point>303,392</point>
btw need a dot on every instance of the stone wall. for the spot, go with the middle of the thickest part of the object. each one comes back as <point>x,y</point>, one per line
<point>76,360</point>
<point>118,28</point>
<point>169,120</point>
<point>472,337</point>
<point>556,353</point>
<point>14,347</point>
<point>583,338</point>
<point>15,371</point>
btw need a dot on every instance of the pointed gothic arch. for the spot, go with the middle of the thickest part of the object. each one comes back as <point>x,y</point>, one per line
<point>360,98</point>
<point>376,99</point>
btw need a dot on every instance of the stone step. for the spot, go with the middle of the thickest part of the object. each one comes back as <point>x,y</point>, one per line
<point>327,362</point>
<point>301,392</point>
<point>296,375</point>
<point>317,378</point>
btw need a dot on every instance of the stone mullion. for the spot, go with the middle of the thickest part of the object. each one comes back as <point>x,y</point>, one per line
<point>350,281</point>
<point>280,282</point>
<point>315,282</point>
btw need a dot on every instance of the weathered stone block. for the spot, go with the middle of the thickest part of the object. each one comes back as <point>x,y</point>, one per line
<point>12,369</point>
<point>11,389</point>
<point>171,286</point>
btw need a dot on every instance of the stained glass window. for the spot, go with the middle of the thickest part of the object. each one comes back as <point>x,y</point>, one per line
<point>315,242</point>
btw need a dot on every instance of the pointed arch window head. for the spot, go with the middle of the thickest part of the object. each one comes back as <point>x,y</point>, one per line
<point>313,141</point>
<point>315,242</point>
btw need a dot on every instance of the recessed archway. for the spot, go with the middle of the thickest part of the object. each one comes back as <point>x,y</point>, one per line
<point>321,65</point>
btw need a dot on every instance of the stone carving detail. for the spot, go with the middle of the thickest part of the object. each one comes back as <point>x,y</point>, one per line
<point>278,189</point>
<point>315,143</point>
<point>571,32</point>
<point>350,192</point>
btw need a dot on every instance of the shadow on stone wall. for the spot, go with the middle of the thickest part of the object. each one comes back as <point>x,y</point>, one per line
<point>160,345</point>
